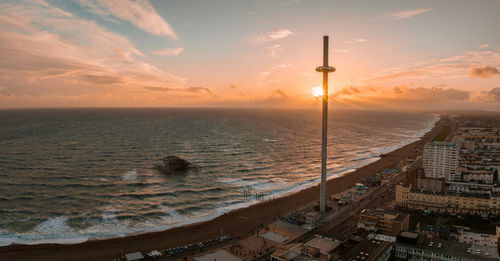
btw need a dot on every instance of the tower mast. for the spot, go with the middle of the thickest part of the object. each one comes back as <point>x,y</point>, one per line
<point>325,69</point>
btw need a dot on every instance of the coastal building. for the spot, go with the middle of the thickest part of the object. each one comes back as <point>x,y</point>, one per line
<point>370,250</point>
<point>383,221</point>
<point>217,255</point>
<point>431,231</point>
<point>312,217</point>
<point>318,248</point>
<point>325,245</point>
<point>469,237</point>
<point>435,185</point>
<point>465,187</point>
<point>411,246</point>
<point>479,174</point>
<point>484,203</point>
<point>441,161</point>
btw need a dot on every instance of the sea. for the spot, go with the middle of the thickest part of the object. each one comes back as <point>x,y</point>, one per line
<point>70,175</point>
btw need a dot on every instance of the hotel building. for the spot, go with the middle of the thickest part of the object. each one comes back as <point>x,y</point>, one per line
<point>441,161</point>
<point>485,203</point>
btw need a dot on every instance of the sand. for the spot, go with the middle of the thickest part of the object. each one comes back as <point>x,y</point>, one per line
<point>231,223</point>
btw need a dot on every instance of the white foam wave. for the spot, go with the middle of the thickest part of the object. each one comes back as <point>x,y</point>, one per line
<point>56,230</point>
<point>130,175</point>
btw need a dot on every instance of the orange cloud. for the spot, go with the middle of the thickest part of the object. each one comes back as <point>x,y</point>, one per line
<point>102,79</point>
<point>279,93</point>
<point>485,71</point>
<point>492,95</point>
<point>403,93</point>
<point>169,51</point>
<point>198,90</point>
<point>41,43</point>
<point>408,14</point>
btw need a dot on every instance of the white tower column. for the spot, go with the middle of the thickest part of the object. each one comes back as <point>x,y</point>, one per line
<point>325,69</point>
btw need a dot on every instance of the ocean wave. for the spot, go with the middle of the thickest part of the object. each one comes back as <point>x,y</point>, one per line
<point>137,201</point>
<point>130,175</point>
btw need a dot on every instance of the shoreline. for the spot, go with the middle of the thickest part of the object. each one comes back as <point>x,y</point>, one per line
<point>231,223</point>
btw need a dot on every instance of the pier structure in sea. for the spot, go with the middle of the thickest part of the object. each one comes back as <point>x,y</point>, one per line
<point>249,192</point>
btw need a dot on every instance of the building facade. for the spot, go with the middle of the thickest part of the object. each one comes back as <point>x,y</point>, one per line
<point>468,237</point>
<point>459,203</point>
<point>383,221</point>
<point>410,246</point>
<point>441,161</point>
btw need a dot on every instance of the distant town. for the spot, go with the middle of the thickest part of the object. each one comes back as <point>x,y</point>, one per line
<point>440,203</point>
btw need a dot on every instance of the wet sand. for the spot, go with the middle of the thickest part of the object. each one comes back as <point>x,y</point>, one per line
<point>230,223</point>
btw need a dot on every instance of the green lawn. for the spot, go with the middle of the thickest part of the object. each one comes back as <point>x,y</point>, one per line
<point>443,134</point>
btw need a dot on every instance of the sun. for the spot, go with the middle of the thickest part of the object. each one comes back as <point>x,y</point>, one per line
<point>317,91</point>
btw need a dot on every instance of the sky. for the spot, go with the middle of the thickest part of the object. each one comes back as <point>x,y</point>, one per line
<point>389,55</point>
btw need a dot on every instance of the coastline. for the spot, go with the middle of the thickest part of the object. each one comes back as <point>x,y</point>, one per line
<point>256,214</point>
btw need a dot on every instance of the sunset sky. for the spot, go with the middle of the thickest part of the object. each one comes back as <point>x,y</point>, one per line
<point>249,53</point>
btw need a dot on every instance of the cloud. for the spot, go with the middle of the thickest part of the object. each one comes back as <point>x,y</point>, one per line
<point>483,46</point>
<point>198,90</point>
<point>279,34</point>
<point>424,71</point>
<point>275,50</point>
<point>341,51</point>
<point>234,87</point>
<point>102,79</point>
<point>169,51</point>
<point>140,13</point>
<point>408,14</point>
<point>282,66</point>
<point>67,55</point>
<point>451,68</point>
<point>5,92</point>
<point>279,93</point>
<point>361,40</point>
<point>163,89</point>
<point>492,94</point>
<point>485,71</point>
<point>348,91</point>
<point>314,75</point>
<point>430,94</point>
<point>274,35</point>
<point>405,93</point>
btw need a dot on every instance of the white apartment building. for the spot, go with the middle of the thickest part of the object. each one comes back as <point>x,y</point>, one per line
<point>441,161</point>
<point>468,237</point>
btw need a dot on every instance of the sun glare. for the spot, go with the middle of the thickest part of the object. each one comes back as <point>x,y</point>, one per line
<point>317,91</point>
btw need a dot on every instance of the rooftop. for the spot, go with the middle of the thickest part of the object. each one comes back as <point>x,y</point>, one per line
<point>455,249</point>
<point>274,237</point>
<point>408,234</point>
<point>367,250</point>
<point>325,245</point>
<point>218,255</point>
